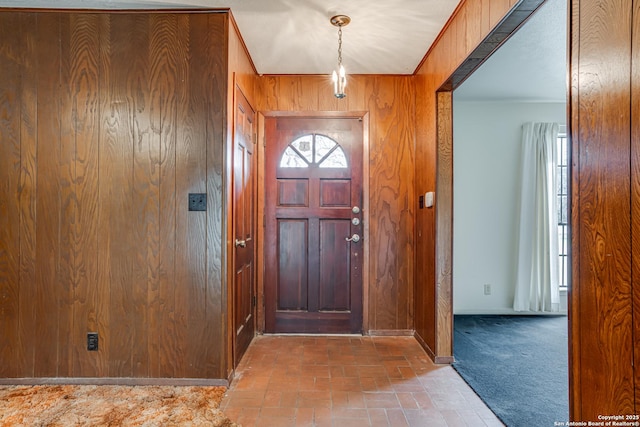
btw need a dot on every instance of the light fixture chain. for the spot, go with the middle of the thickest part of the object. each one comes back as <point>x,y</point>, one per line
<point>339,45</point>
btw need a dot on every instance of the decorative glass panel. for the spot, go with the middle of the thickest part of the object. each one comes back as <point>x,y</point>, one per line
<point>313,150</point>
<point>323,146</point>
<point>291,159</point>
<point>303,146</point>
<point>336,159</point>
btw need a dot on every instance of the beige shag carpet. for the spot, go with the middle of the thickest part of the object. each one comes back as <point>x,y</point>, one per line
<point>84,405</point>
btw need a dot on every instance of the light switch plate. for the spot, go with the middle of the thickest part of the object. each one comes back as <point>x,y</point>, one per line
<point>428,199</point>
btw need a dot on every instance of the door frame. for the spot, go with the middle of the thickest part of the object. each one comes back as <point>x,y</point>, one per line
<point>443,307</point>
<point>363,116</point>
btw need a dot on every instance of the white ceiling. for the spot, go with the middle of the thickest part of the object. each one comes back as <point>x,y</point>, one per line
<point>296,37</point>
<point>531,66</point>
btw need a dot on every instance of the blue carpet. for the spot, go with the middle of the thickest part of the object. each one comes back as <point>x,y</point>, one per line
<point>517,365</point>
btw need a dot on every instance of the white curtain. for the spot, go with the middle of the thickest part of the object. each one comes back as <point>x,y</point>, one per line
<point>537,269</point>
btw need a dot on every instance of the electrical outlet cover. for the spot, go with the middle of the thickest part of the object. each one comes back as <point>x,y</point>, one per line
<point>92,341</point>
<point>197,202</point>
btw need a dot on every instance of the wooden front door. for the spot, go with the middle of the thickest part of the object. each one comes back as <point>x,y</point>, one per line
<point>244,196</point>
<point>313,262</point>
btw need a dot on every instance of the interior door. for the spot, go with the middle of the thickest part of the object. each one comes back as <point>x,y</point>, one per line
<point>313,235</point>
<point>244,207</point>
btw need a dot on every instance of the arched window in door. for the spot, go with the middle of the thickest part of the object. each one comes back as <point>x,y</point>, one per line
<point>313,150</point>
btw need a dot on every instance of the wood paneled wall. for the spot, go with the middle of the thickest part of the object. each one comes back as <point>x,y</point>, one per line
<point>468,26</point>
<point>604,99</point>
<point>389,102</point>
<point>107,122</point>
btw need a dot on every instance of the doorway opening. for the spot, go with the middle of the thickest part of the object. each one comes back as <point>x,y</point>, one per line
<point>484,134</point>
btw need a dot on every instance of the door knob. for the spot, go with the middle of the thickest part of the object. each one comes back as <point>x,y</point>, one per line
<point>241,243</point>
<point>355,238</point>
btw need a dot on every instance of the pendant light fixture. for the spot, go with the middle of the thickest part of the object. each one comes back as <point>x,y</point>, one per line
<point>339,76</point>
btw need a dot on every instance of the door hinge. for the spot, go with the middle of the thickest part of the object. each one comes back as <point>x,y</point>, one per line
<point>264,220</point>
<point>254,300</point>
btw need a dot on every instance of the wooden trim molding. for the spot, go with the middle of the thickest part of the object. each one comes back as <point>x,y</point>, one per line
<point>391,333</point>
<point>424,345</point>
<point>116,381</point>
<point>512,21</point>
<point>444,225</point>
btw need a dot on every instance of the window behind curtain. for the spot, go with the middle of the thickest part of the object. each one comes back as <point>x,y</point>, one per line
<point>563,200</point>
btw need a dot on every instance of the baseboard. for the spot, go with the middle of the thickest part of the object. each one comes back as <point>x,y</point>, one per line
<point>509,312</point>
<point>424,346</point>
<point>305,334</point>
<point>391,332</point>
<point>439,360</point>
<point>443,360</point>
<point>116,381</point>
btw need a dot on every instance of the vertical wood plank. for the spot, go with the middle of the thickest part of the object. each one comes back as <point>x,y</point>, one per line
<point>497,10</point>
<point>425,218</point>
<point>269,93</point>
<point>635,194</point>
<point>486,17</point>
<point>216,298</point>
<point>68,340</point>
<point>191,155</point>
<point>604,252</point>
<point>474,32</point>
<point>186,173</point>
<point>48,360</point>
<point>145,201</point>
<point>104,266</point>
<point>85,88</point>
<point>406,90</point>
<point>28,197</point>
<point>142,203</point>
<point>163,143</point>
<point>119,77</point>
<point>10,112</point>
<point>65,245</point>
<point>356,98</point>
<point>461,41</point>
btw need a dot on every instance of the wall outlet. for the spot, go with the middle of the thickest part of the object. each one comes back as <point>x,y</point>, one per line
<point>197,202</point>
<point>487,289</point>
<point>92,341</point>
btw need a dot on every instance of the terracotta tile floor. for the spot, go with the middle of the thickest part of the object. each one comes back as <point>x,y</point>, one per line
<point>349,381</point>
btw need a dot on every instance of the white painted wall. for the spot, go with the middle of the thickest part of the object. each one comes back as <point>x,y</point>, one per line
<point>486,153</point>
